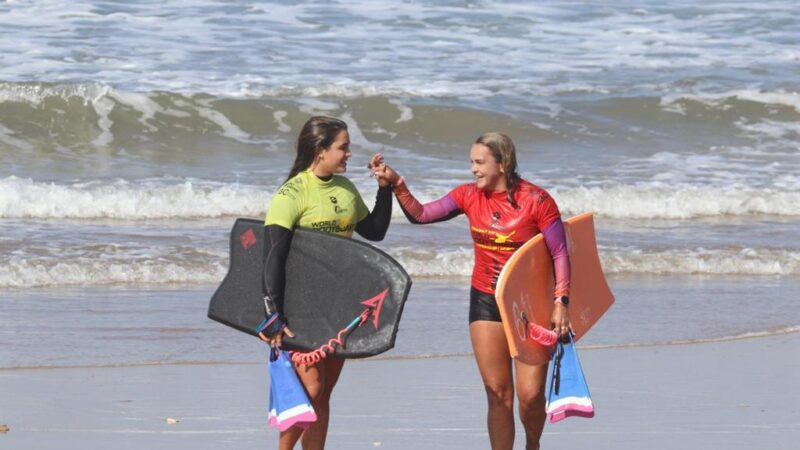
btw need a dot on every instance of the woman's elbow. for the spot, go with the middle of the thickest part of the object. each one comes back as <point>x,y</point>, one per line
<point>374,237</point>
<point>372,234</point>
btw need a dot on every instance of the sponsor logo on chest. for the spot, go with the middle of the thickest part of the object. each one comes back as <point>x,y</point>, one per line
<point>336,208</point>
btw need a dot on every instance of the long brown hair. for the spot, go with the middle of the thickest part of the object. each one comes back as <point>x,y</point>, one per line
<point>504,152</point>
<point>317,134</point>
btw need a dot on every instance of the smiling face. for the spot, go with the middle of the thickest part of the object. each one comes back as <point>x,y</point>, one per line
<point>488,172</point>
<point>333,159</point>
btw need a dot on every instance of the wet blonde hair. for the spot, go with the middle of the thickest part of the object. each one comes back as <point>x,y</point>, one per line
<point>504,152</point>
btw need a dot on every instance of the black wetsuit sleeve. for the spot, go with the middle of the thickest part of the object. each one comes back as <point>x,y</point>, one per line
<point>277,241</point>
<point>374,226</point>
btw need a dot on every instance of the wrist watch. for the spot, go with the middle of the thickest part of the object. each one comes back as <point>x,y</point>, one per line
<point>564,300</point>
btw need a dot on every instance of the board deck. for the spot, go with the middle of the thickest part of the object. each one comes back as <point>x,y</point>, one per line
<point>329,282</point>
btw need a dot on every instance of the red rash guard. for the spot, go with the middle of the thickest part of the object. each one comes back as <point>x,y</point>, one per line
<point>497,228</point>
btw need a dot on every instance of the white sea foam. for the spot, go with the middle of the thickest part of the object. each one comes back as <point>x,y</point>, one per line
<point>103,106</point>
<point>775,98</point>
<point>651,201</point>
<point>25,198</point>
<point>313,106</point>
<point>747,261</point>
<point>229,130</point>
<point>36,94</point>
<point>423,262</point>
<point>437,46</point>
<point>406,113</point>
<point>103,267</point>
<point>7,137</point>
<point>123,199</point>
<point>663,200</point>
<point>428,262</point>
<point>145,105</point>
<point>103,99</point>
<point>282,126</point>
<point>356,135</point>
<point>19,273</point>
<point>775,130</point>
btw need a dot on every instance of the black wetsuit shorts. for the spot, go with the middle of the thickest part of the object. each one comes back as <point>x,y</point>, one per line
<point>482,306</point>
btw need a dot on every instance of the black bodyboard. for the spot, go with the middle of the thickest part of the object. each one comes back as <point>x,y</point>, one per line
<point>327,279</point>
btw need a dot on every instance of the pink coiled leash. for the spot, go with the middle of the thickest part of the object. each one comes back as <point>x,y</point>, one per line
<point>315,356</point>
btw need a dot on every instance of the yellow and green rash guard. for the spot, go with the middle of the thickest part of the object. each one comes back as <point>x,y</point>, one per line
<point>305,201</point>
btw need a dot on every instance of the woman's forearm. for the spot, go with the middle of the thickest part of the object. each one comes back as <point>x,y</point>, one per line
<point>436,211</point>
<point>556,239</point>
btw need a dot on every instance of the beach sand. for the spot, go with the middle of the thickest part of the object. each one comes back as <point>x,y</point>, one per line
<point>737,394</point>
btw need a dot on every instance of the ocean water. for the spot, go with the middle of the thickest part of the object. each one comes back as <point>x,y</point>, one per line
<point>132,134</point>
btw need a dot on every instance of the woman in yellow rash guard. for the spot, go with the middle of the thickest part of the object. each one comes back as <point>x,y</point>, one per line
<point>315,196</point>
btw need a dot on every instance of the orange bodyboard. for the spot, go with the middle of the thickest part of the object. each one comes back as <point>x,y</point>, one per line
<point>525,289</point>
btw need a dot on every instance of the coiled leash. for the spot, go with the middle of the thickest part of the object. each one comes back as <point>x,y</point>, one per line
<point>372,308</point>
<point>315,356</point>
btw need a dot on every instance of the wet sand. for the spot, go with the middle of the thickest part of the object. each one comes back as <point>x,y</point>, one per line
<point>738,394</point>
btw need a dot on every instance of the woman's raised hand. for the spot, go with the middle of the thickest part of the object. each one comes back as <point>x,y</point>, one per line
<point>385,175</point>
<point>375,167</point>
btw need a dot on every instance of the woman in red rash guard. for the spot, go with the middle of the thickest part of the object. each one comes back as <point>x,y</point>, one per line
<point>504,212</point>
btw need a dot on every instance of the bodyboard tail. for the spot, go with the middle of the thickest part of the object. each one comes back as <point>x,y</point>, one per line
<point>525,289</point>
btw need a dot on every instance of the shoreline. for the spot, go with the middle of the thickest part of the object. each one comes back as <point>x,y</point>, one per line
<point>378,358</point>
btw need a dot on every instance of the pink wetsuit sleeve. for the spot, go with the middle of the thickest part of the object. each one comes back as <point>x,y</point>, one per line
<point>427,213</point>
<point>556,239</point>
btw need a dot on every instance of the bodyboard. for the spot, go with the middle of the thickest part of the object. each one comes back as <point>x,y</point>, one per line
<point>525,289</point>
<point>329,281</point>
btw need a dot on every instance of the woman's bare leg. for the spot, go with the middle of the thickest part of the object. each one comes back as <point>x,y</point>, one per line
<point>530,385</point>
<point>328,373</point>
<point>319,381</point>
<point>494,363</point>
